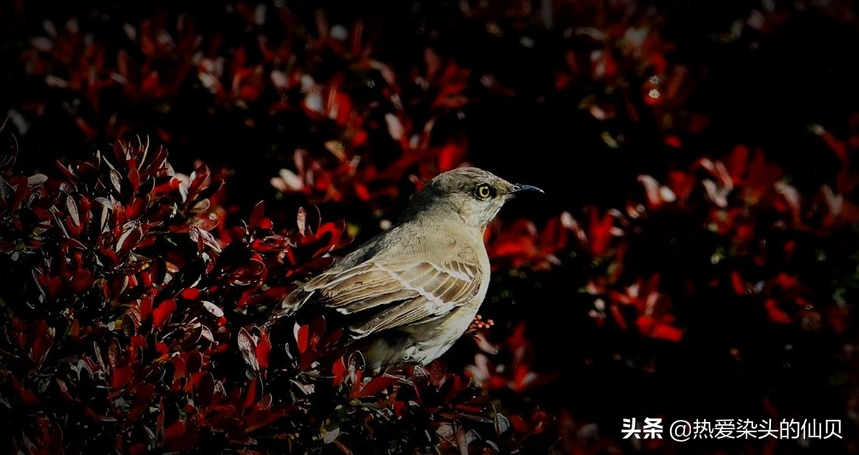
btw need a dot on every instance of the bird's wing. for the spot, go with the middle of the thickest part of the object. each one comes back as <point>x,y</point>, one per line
<point>391,295</point>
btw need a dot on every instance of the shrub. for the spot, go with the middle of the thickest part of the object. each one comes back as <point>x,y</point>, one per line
<point>138,324</point>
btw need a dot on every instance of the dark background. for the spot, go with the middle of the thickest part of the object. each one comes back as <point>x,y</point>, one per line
<point>760,87</point>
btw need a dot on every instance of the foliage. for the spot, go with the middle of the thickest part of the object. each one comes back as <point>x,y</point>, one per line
<point>136,329</point>
<point>697,259</point>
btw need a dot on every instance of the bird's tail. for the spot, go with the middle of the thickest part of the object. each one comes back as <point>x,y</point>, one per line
<point>288,307</point>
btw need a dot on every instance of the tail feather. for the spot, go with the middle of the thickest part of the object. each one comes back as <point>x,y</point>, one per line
<point>289,307</point>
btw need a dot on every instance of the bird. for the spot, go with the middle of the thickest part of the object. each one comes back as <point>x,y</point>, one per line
<point>406,295</point>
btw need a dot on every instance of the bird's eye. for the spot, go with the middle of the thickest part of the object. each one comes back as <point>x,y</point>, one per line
<point>484,192</point>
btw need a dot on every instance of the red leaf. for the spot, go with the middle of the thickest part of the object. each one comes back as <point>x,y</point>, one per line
<point>121,376</point>
<point>205,386</point>
<point>517,339</point>
<point>251,395</point>
<point>180,369</point>
<point>162,313</point>
<point>775,313</point>
<point>257,216</point>
<point>737,283</point>
<point>519,424</point>
<point>80,281</point>
<point>302,336</point>
<point>554,236</point>
<point>376,385</point>
<point>134,178</point>
<point>335,231</point>
<point>190,293</point>
<point>667,332</point>
<point>450,157</point>
<point>138,341</point>
<point>618,316</point>
<point>263,349</point>
<point>142,401</point>
<point>26,396</point>
<point>128,240</point>
<point>317,331</point>
<point>198,179</point>
<point>273,294</point>
<point>203,238</point>
<point>339,371</point>
<point>40,341</point>
<point>260,418</point>
<point>362,191</point>
<point>180,437</point>
<point>161,348</point>
<point>64,391</point>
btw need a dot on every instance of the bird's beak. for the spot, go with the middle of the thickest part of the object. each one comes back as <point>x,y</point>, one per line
<point>518,188</point>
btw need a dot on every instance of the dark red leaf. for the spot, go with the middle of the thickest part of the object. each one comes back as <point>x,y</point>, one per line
<point>162,313</point>
<point>142,401</point>
<point>257,215</point>
<point>161,348</point>
<point>64,391</point>
<point>377,385</point>
<point>81,280</point>
<point>205,387</point>
<point>180,369</point>
<point>134,178</point>
<point>198,179</point>
<point>260,418</point>
<point>274,294</point>
<point>263,348</point>
<point>339,370</point>
<point>618,316</point>
<point>180,437</point>
<point>128,240</point>
<point>251,395</point>
<point>70,176</point>
<point>26,396</point>
<point>302,336</point>
<point>203,238</point>
<point>121,376</point>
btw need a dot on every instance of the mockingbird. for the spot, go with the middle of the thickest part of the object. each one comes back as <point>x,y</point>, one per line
<point>409,293</point>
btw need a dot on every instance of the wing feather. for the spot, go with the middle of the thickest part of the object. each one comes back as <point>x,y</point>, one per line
<point>386,289</point>
<point>395,295</point>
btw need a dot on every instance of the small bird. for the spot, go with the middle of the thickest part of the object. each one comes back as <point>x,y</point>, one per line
<point>408,294</point>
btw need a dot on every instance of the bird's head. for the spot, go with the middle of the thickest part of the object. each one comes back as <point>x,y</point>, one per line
<point>470,193</point>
